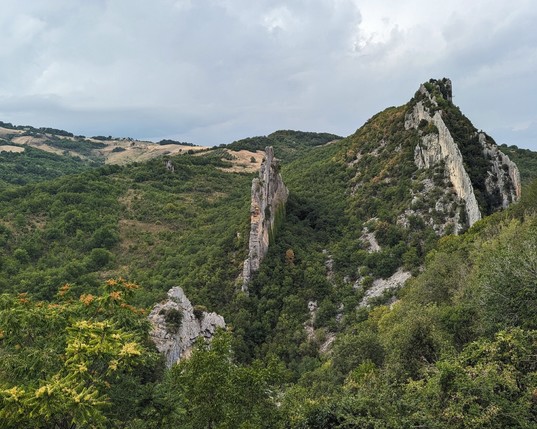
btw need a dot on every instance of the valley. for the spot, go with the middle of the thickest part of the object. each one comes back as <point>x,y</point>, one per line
<point>389,279</point>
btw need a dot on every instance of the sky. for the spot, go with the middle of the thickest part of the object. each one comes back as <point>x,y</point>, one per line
<point>215,71</point>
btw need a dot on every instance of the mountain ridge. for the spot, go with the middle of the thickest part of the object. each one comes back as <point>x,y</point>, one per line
<point>325,336</point>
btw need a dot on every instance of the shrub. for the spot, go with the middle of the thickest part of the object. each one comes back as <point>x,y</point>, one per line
<point>199,310</point>
<point>173,318</point>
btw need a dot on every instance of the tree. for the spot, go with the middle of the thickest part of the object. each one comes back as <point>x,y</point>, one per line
<point>62,363</point>
<point>506,276</point>
<point>221,394</point>
<point>491,384</point>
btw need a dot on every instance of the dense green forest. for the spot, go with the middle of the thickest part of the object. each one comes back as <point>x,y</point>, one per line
<point>84,256</point>
<point>456,350</point>
<point>34,165</point>
<point>288,144</point>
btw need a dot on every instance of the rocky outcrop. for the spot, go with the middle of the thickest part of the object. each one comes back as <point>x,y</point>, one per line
<point>503,177</point>
<point>176,325</point>
<point>269,196</point>
<point>438,147</point>
<point>380,286</point>
<point>169,166</point>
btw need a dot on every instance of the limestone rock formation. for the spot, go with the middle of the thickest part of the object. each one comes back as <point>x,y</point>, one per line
<point>437,146</point>
<point>503,177</point>
<point>176,325</point>
<point>169,166</point>
<point>380,286</point>
<point>440,146</point>
<point>269,196</point>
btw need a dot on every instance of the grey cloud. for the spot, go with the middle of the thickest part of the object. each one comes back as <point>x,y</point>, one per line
<point>211,71</point>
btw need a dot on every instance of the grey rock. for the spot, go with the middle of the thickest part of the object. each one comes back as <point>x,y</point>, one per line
<point>503,176</point>
<point>269,196</point>
<point>503,179</point>
<point>434,148</point>
<point>169,166</point>
<point>380,286</point>
<point>175,344</point>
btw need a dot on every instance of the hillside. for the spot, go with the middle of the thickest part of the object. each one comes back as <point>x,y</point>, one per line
<point>525,159</point>
<point>288,144</point>
<point>362,314</point>
<point>29,154</point>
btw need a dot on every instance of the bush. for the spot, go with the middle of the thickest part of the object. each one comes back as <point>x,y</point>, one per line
<point>173,318</point>
<point>199,310</point>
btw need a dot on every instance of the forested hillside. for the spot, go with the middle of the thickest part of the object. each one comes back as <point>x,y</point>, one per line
<point>34,165</point>
<point>526,161</point>
<point>327,336</point>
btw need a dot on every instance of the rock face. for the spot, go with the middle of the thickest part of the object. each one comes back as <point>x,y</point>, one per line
<point>176,325</point>
<point>504,177</point>
<point>438,147</point>
<point>269,196</point>
<point>380,286</point>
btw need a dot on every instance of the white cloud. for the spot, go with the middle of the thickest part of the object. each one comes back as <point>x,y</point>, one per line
<point>213,71</point>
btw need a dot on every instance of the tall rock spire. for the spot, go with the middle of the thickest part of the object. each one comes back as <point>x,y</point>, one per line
<point>269,196</point>
<point>437,145</point>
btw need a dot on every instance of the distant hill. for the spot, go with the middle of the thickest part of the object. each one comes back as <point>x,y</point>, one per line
<point>44,153</point>
<point>288,144</point>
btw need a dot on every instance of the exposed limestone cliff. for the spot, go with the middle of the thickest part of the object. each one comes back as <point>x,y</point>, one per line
<point>437,147</point>
<point>380,286</point>
<point>176,325</point>
<point>504,177</point>
<point>269,196</point>
<point>440,146</point>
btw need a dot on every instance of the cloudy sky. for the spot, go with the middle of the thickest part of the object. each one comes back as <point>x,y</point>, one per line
<point>213,71</point>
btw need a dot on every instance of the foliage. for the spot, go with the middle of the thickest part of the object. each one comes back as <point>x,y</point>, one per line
<point>66,364</point>
<point>173,318</point>
<point>289,145</point>
<point>490,384</point>
<point>168,141</point>
<point>34,165</point>
<point>455,350</point>
<point>220,393</point>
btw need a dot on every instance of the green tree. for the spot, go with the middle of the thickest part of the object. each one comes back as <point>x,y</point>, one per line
<point>491,384</point>
<point>506,276</point>
<point>62,363</point>
<point>221,394</point>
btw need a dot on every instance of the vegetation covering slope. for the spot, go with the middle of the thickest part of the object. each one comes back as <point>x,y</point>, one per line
<point>141,221</point>
<point>34,165</point>
<point>288,145</point>
<point>302,351</point>
<point>457,350</point>
<point>525,159</point>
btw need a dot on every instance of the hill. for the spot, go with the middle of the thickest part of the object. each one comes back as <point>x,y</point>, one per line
<point>362,314</point>
<point>30,154</point>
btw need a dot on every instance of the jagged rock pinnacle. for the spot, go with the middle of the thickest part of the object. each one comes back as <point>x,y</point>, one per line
<point>175,340</point>
<point>439,146</point>
<point>269,196</point>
